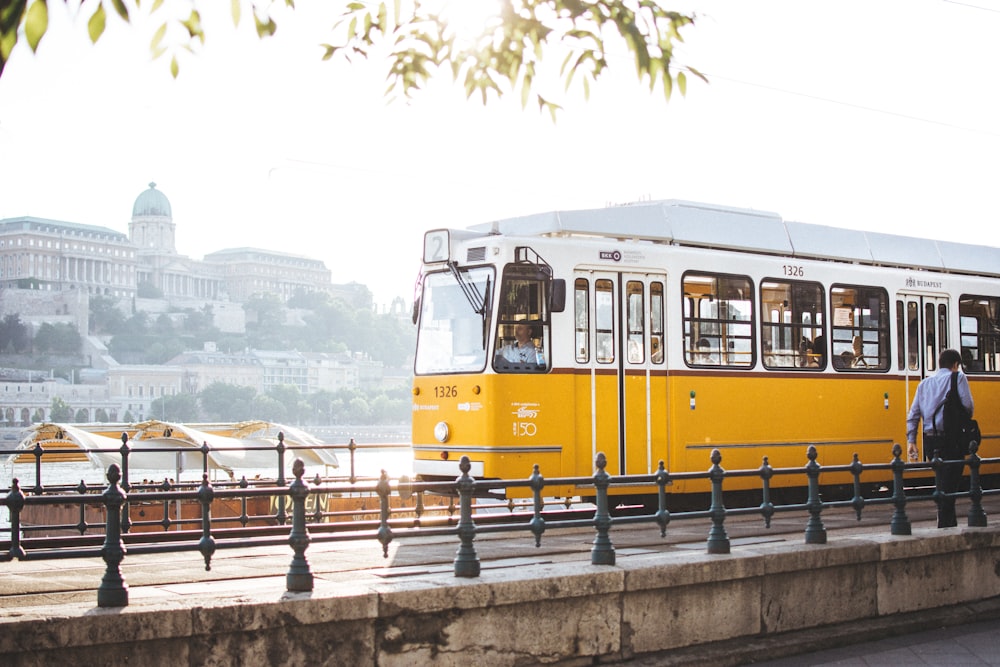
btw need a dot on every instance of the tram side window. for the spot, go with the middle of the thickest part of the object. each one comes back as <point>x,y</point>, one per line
<point>522,322</point>
<point>718,320</point>
<point>793,317</point>
<point>636,322</point>
<point>656,322</point>
<point>906,333</point>
<point>979,326</point>
<point>604,305</point>
<point>581,299</point>
<point>860,328</point>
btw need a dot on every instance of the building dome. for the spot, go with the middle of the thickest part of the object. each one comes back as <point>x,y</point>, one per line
<point>151,202</point>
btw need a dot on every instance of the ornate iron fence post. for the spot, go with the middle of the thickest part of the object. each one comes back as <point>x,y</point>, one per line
<point>205,449</point>
<point>37,451</point>
<point>815,532</point>
<point>384,530</point>
<point>244,516</point>
<point>662,478</point>
<point>113,591</point>
<point>900,523</point>
<point>718,540</point>
<point>206,494</point>
<point>766,472</point>
<point>126,487</point>
<point>537,523</point>
<point>466,562</point>
<point>281,515</point>
<point>602,553</point>
<point>299,577</point>
<point>351,448</point>
<point>81,525</point>
<point>15,503</point>
<point>858,501</point>
<point>977,517</point>
<point>938,465</point>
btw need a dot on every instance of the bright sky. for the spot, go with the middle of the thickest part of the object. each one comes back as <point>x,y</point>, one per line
<point>879,115</point>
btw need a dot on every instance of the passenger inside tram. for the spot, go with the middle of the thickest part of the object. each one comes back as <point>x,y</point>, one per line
<point>705,355</point>
<point>844,360</point>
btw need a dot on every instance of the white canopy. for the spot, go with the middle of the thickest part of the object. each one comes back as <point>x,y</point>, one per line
<point>181,444</point>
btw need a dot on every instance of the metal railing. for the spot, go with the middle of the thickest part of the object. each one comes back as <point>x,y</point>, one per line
<point>117,541</point>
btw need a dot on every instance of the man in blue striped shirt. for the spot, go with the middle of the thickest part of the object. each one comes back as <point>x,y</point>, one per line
<point>928,405</point>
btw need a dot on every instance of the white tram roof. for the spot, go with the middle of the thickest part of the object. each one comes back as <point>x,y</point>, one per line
<point>710,226</point>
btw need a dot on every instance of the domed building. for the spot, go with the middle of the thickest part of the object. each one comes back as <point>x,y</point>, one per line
<point>152,227</point>
<point>161,271</point>
<point>54,256</point>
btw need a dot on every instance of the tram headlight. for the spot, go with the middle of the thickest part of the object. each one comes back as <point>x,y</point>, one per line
<point>441,431</point>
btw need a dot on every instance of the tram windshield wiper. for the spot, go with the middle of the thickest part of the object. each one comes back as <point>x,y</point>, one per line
<point>480,302</point>
<point>472,295</point>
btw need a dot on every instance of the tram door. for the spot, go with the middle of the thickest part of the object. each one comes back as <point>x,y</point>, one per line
<point>620,341</point>
<point>922,323</point>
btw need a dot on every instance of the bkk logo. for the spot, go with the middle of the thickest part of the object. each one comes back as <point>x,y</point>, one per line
<point>613,255</point>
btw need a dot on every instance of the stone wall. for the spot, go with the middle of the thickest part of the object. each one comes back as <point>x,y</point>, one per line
<point>37,306</point>
<point>680,600</point>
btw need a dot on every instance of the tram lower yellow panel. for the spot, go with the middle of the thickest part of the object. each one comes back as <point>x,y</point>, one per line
<point>562,420</point>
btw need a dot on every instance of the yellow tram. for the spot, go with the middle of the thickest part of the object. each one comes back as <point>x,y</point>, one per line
<point>664,330</point>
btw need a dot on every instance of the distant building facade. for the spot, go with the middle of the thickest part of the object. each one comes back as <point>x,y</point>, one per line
<point>52,256</point>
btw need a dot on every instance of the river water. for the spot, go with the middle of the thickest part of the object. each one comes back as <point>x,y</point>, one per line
<point>369,461</point>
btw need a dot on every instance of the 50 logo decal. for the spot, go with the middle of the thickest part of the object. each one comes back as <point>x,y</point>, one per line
<point>525,429</point>
<point>524,419</point>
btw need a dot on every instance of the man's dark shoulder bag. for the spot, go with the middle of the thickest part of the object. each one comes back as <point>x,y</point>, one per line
<point>960,429</point>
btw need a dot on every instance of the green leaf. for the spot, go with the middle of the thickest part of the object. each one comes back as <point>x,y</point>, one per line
<point>236,9</point>
<point>174,67</point>
<point>193,26</point>
<point>7,42</point>
<point>155,45</point>
<point>96,24</point>
<point>682,83</point>
<point>121,9</point>
<point>36,22</point>
<point>265,28</point>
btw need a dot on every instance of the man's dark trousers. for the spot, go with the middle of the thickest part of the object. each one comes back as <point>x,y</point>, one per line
<point>948,477</point>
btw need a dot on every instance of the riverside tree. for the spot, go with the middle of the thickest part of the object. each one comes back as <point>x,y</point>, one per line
<point>521,47</point>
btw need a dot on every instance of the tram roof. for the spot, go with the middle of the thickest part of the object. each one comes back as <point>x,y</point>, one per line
<point>710,226</point>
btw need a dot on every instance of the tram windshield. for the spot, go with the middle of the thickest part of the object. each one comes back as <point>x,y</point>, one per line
<point>451,335</point>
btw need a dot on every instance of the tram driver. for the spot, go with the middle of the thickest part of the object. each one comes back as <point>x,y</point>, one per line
<point>522,350</point>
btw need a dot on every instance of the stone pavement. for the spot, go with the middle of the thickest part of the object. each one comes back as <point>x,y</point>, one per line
<point>961,636</point>
<point>970,643</point>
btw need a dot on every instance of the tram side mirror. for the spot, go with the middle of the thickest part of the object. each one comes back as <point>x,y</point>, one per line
<point>416,310</point>
<point>557,296</point>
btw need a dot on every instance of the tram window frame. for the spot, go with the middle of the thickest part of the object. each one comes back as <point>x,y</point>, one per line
<point>979,333</point>
<point>900,335</point>
<point>522,299</point>
<point>581,319</point>
<point>722,333</point>
<point>850,303</point>
<point>605,317</point>
<point>913,335</point>
<point>635,299</point>
<point>794,352</point>
<point>656,318</point>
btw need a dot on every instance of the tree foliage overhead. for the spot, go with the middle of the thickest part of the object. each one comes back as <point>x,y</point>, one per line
<point>418,39</point>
